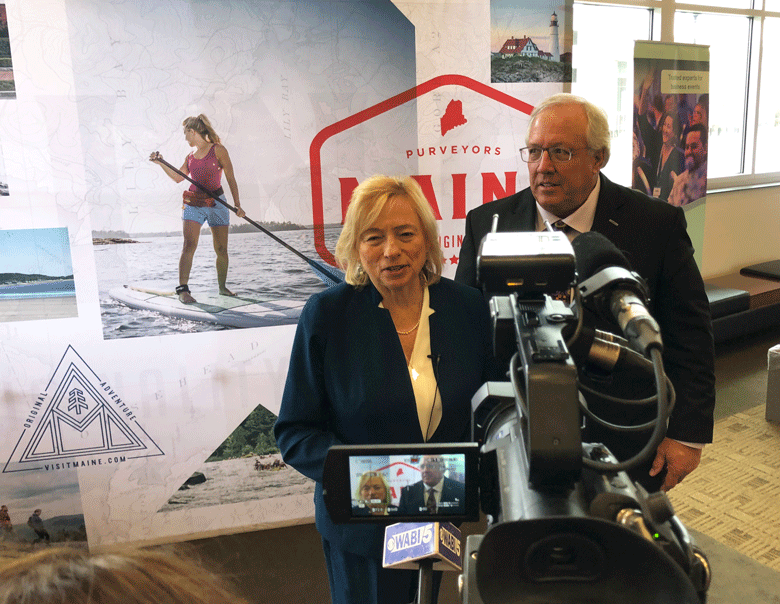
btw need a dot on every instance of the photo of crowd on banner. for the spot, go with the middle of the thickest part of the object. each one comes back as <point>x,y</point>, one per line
<point>670,132</point>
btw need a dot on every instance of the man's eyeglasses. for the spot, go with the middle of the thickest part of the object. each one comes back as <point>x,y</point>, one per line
<point>532,155</point>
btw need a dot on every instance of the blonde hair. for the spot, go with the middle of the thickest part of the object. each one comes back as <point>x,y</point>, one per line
<point>365,478</point>
<point>202,126</point>
<point>70,576</point>
<point>365,205</point>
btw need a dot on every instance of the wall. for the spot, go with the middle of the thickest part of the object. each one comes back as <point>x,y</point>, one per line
<point>741,228</point>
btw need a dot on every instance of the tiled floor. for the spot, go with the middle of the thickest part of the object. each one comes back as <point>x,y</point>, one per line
<point>734,494</point>
<point>730,502</point>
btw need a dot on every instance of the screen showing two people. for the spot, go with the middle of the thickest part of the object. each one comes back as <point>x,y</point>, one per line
<point>407,485</point>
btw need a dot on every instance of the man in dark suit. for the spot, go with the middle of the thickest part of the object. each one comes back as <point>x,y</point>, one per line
<point>568,142</point>
<point>435,493</point>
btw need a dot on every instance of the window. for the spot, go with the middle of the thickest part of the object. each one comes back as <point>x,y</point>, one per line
<point>744,119</point>
<point>723,3</point>
<point>728,37</point>
<point>603,66</point>
<point>768,131</point>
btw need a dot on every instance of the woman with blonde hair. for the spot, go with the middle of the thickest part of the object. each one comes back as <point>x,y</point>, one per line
<point>671,160</point>
<point>393,355</point>
<point>66,575</point>
<point>205,165</point>
<point>373,494</point>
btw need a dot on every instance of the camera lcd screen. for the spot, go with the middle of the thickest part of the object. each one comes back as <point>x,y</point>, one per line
<point>402,483</point>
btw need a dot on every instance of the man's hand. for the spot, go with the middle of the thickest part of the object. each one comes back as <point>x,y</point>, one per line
<point>679,459</point>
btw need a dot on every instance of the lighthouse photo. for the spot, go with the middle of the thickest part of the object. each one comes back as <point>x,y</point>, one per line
<point>530,41</point>
<point>554,48</point>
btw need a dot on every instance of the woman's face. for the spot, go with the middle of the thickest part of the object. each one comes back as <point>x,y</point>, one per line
<point>668,129</point>
<point>393,249</point>
<point>373,489</point>
<point>192,137</point>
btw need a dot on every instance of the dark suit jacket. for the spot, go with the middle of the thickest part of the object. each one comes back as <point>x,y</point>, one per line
<point>653,237</point>
<point>413,498</point>
<point>348,383</point>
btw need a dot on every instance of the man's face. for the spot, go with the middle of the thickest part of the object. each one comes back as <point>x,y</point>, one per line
<point>695,152</point>
<point>562,187</point>
<point>431,470</point>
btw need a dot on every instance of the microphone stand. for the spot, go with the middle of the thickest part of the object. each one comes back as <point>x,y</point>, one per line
<point>425,582</point>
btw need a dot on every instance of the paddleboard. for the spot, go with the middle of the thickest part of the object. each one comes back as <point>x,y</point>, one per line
<point>232,311</point>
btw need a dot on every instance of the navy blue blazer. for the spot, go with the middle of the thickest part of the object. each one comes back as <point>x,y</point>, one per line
<point>653,236</point>
<point>412,499</point>
<point>348,383</point>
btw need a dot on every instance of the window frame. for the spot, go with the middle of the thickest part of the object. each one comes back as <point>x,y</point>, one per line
<point>662,29</point>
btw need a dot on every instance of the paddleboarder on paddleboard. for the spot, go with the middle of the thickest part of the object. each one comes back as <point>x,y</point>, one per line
<point>205,165</point>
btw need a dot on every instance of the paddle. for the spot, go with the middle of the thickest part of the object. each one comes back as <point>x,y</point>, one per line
<point>329,276</point>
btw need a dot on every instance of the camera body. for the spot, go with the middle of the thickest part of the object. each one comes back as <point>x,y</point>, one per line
<point>564,526</point>
<point>558,530</point>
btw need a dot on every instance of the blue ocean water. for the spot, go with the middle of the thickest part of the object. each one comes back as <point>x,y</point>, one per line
<point>42,289</point>
<point>259,268</point>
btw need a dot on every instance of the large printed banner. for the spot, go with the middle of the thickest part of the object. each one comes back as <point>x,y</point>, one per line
<point>671,121</point>
<point>126,417</point>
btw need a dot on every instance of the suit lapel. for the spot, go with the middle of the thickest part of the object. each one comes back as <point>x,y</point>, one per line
<point>620,226</point>
<point>607,218</point>
<point>524,215</point>
<point>389,354</point>
<point>437,323</point>
<point>418,493</point>
<point>445,491</point>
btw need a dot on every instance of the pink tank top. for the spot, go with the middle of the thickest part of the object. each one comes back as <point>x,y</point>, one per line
<point>206,171</point>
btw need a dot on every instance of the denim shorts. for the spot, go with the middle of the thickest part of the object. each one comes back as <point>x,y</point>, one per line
<point>219,215</point>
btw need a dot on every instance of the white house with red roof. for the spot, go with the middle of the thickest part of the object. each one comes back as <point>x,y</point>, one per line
<point>526,47</point>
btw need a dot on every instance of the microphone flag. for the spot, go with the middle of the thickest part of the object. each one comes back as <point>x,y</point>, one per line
<point>408,543</point>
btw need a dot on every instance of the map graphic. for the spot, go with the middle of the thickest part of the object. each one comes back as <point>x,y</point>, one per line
<point>309,98</point>
<point>453,117</point>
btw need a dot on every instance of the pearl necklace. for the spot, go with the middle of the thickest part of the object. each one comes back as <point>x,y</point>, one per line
<point>406,333</point>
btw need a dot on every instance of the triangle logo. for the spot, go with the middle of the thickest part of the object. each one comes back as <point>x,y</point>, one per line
<point>78,421</point>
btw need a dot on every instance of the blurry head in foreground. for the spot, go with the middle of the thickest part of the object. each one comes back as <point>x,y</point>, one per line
<point>71,576</point>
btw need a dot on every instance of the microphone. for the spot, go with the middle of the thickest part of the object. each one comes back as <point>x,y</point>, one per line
<point>604,350</point>
<point>426,546</point>
<point>611,290</point>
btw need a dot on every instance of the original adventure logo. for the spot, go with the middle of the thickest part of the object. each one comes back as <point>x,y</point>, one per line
<point>78,421</point>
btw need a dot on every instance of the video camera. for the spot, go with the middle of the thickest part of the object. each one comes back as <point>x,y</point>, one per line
<point>565,523</point>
